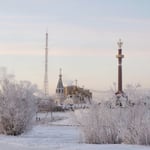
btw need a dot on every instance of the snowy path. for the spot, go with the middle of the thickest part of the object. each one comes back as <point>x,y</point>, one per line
<point>52,137</point>
<point>43,136</point>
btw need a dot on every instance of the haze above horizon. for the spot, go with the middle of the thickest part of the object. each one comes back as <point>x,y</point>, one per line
<point>83,38</point>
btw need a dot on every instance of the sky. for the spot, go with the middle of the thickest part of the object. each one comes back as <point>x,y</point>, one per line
<point>83,36</point>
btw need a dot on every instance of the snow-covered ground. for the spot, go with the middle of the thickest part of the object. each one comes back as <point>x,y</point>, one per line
<point>58,135</point>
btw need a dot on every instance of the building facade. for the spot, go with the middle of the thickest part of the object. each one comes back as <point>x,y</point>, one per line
<point>60,97</point>
<point>71,94</point>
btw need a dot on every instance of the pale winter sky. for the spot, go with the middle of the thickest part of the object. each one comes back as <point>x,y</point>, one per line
<point>83,37</point>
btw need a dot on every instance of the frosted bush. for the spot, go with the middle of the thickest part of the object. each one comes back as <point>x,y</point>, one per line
<point>101,124</point>
<point>17,106</point>
<point>98,126</point>
<point>136,125</point>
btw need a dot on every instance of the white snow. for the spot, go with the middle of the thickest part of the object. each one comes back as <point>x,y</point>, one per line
<point>58,135</point>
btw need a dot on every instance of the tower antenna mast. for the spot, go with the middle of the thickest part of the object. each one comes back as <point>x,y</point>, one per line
<point>46,93</point>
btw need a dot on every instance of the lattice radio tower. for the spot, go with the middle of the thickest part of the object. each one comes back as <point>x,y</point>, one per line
<point>46,68</point>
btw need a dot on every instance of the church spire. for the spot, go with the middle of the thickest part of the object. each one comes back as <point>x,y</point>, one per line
<point>60,73</point>
<point>60,87</point>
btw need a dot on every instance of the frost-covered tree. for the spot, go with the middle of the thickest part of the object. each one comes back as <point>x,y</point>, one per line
<point>17,106</point>
<point>102,124</point>
<point>97,125</point>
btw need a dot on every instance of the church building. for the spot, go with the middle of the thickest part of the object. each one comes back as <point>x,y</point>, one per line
<point>60,97</point>
<point>71,94</point>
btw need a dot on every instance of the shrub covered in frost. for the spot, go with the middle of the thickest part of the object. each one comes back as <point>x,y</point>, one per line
<point>101,124</point>
<point>98,125</point>
<point>17,106</point>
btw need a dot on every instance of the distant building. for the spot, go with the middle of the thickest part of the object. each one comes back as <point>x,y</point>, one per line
<point>77,95</point>
<point>60,97</point>
<point>71,94</point>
